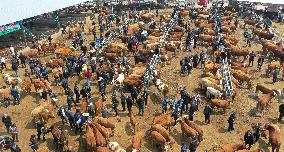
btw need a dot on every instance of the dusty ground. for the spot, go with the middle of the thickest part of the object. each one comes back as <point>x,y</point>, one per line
<point>214,133</point>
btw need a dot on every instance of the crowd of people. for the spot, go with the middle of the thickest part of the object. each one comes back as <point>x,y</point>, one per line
<point>186,103</point>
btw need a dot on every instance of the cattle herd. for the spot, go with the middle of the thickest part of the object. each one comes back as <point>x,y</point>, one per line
<point>122,63</point>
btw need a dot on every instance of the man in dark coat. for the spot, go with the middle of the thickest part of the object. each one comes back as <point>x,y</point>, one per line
<point>15,67</point>
<point>129,104</point>
<point>260,62</point>
<point>140,103</point>
<point>7,121</point>
<point>281,112</point>
<point>231,121</point>
<point>77,92</point>
<point>115,105</point>
<point>23,60</point>
<point>249,138</point>
<point>207,113</point>
<point>193,144</point>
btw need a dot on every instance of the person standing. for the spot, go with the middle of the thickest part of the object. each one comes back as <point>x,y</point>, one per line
<point>202,59</point>
<point>231,121</point>
<point>15,67</point>
<point>191,112</point>
<point>77,92</point>
<point>33,143</point>
<point>14,132</point>
<point>16,95</point>
<point>164,105</point>
<point>193,144</point>
<point>23,60</point>
<point>275,74</point>
<point>281,112</point>
<point>7,121</point>
<point>251,58</point>
<point>123,101</point>
<point>115,105</point>
<point>129,104</point>
<point>69,102</point>
<point>140,103</point>
<point>183,147</point>
<point>3,62</point>
<point>207,113</point>
<point>260,62</point>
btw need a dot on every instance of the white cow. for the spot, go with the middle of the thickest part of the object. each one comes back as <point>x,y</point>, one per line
<point>211,91</point>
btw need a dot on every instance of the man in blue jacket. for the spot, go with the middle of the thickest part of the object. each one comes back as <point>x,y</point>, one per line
<point>69,102</point>
<point>15,94</point>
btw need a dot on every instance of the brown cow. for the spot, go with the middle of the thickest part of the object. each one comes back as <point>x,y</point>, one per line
<point>164,120</point>
<point>90,138</point>
<point>104,131</point>
<point>219,103</point>
<point>133,122</point>
<point>274,136</point>
<point>262,88</point>
<point>264,100</point>
<point>206,38</point>
<point>254,150</point>
<point>159,139</point>
<point>147,16</point>
<point>243,77</point>
<point>55,62</point>
<point>84,105</point>
<point>231,148</point>
<point>27,84</point>
<point>160,129</point>
<point>194,126</point>
<point>106,123</point>
<point>188,131</point>
<point>137,141</point>
<point>103,149</point>
<point>99,105</point>
<point>250,22</point>
<point>100,140</point>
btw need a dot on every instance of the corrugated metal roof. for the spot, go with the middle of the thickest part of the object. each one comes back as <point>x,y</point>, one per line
<point>16,10</point>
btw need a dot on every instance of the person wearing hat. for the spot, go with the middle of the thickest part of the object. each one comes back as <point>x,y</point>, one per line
<point>7,121</point>
<point>33,143</point>
<point>231,121</point>
<point>14,132</point>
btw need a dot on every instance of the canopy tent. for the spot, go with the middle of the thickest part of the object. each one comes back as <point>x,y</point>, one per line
<point>12,12</point>
<point>17,10</point>
<point>264,1</point>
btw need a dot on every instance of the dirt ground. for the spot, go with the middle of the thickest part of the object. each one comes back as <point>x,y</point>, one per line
<point>214,134</point>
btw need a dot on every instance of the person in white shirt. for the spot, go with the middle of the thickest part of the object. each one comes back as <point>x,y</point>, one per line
<point>3,62</point>
<point>12,50</point>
